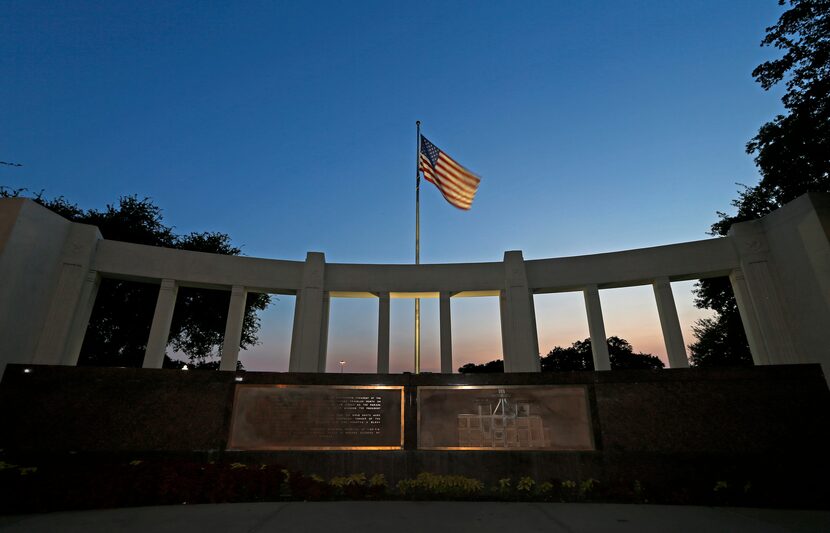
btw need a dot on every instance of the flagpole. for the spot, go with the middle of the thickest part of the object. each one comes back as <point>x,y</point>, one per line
<point>418,244</point>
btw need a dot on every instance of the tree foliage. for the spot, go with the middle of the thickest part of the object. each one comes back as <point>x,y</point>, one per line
<point>578,356</point>
<point>792,153</point>
<point>484,368</point>
<point>120,323</point>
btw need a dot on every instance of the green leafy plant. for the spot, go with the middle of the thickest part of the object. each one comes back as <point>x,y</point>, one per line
<point>525,484</point>
<point>427,484</point>
<point>545,490</point>
<point>586,487</point>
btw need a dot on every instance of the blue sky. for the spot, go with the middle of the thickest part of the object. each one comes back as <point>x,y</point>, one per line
<point>595,126</point>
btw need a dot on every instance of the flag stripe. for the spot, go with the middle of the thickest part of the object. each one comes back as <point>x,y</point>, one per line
<point>455,180</point>
<point>447,188</point>
<point>457,169</point>
<point>451,187</point>
<point>448,182</point>
<point>449,195</point>
<point>457,184</point>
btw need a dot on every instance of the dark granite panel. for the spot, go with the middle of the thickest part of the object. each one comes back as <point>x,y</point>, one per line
<point>114,409</point>
<point>716,415</point>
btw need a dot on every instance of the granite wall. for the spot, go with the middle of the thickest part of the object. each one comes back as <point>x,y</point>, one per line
<point>648,425</point>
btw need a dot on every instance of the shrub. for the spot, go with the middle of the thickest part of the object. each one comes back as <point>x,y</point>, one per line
<point>427,485</point>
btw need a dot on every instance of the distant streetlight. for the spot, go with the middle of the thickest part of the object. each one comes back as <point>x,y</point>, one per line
<point>342,364</point>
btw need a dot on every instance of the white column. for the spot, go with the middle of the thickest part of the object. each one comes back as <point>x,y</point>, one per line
<point>322,354</point>
<point>764,293</point>
<point>68,295</point>
<point>749,318</point>
<point>771,316</point>
<point>519,341</point>
<point>81,320</point>
<point>310,333</point>
<point>596,328</point>
<point>233,328</point>
<point>446,333</point>
<point>160,330</point>
<point>51,347</point>
<point>504,317</point>
<point>672,334</point>
<point>383,333</point>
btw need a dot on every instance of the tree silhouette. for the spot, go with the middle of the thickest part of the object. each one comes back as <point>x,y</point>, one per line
<point>484,368</point>
<point>578,356</point>
<point>792,153</point>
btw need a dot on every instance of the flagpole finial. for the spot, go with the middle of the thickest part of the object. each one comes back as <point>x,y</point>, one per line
<point>417,122</point>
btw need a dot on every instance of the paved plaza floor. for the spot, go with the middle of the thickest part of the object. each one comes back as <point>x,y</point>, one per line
<point>431,517</point>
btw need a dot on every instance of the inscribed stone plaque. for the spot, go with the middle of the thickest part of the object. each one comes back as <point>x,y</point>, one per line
<point>504,418</point>
<point>317,417</point>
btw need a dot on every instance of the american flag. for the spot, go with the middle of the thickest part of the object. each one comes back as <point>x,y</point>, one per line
<point>456,183</point>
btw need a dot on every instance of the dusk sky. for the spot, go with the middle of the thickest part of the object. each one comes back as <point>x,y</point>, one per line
<point>595,126</point>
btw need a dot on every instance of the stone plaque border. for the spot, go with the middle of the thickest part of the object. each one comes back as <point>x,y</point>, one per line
<point>588,410</point>
<point>238,387</point>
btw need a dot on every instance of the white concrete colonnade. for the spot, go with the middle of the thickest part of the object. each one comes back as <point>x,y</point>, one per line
<point>779,268</point>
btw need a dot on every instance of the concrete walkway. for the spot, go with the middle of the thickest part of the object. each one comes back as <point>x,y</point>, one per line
<point>403,517</point>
